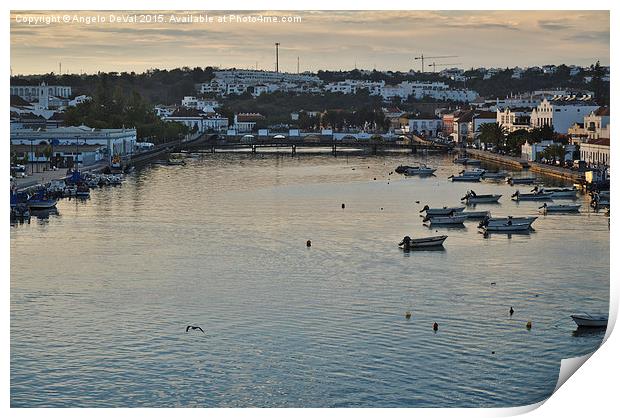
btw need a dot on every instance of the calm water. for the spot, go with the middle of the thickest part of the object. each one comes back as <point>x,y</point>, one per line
<point>101,294</point>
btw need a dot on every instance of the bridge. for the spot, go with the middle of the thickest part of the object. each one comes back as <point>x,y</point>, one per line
<point>336,143</point>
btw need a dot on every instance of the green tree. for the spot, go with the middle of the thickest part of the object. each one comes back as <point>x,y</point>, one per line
<point>554,152</point>
<point>514,141</point>
<point>492,133</point>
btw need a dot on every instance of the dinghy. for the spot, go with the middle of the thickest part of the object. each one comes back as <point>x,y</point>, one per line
<point>412,243</point>
<point>518,196</point>
<point>430,212</point>
<point>521,180</point>
<point>559,208</point>
<point>514,219</point>
<point>446,220</point>
<point>508,226</point>
<point>420,171</point>
<point>464,178</point>
<point>561,193</point>
<point>472,198</point>
<point>587,320</point>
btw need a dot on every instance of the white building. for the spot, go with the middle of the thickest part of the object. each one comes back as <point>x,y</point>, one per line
<point>245,122</point>
<point>532,152</point>
<point>561,112</point>
<point>514,119</point>
<point>595,152</point>
<point>79,100</point>
<point>35,93</point>
<point>596,123</point>
<point>114,141</point>
<point>428,126</point>
<point>197,120</point>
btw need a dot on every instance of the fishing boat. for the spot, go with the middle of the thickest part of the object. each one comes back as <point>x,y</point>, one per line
<point>39,201</point>
<point>464,178</point>
<point>473,172</point>
<point>476,214</point>
<point>460,160</point>
<point>419,170</point>
<point>446,220</point>
<point>518,196</point>
<point>508,226</point>
<point>472,198</point>
<point>587,320</point>
<point>559,193</point>
<point>513,219</point>
<point>499,175</point>
<point>521,180</point>
<point>471,161</point>
<point>412,243</point>
<point>559,208</point>
<point>441,211</point>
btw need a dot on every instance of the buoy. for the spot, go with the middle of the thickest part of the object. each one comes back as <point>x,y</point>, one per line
<point>511,311</point>
<point>493,283</point>
<point>343,206</point>
<point>492,352</point>
<point>375,178</point>
<point>381,208</point>
<point>408,314</point>
<point>435,326</point>
<point>417,201</point>
<point>308,243</point>
<point>528,325</point>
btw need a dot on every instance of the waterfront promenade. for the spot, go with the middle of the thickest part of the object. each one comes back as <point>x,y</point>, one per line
<point>514,162</point>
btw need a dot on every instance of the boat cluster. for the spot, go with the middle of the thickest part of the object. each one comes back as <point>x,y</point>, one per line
<point>42,199</point>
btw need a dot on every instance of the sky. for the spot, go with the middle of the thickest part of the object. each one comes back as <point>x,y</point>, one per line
<point>331,40</point>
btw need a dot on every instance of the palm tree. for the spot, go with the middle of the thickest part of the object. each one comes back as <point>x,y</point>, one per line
<point>47,151</point>
<point>492,133</point>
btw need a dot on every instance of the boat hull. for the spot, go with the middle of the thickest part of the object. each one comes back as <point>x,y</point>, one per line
<point>585,321</point>
<point>466,178</point>
<point>448,220</point>
<point>519,227</point>
<point>483,199</point>
<point>42,204</point>
<point>443,211</point>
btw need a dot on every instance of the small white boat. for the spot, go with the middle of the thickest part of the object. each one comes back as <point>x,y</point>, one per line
<point>476,214</point>
<point>559,193</point>
<point>587,320</point>
<point>559,208</point>
<point>518,196</point>
<point>471,198</point>
<point>412,243</point>
<point>473,172</point>
<point>500,175</point>
<point>513,219</point>
<point>521,180</point>
<point>446,220</point>
<point>430,212</point>
<point>419,171</point>
<point>508,226</point>
<point>465,178</point>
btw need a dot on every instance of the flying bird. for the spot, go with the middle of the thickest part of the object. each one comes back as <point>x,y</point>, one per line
<point>194,328</point>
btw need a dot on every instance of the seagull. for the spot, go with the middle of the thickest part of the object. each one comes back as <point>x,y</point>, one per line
<point>192,327</point>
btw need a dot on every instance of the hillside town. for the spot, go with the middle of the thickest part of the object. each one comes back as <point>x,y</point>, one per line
<point>429,110</point>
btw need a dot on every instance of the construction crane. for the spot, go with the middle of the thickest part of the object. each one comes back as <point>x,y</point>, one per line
<point>434,65</point>
<point>421,57</point>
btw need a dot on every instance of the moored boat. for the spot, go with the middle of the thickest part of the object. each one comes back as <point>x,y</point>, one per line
<point>588,320</point>
<point>446,220</point>
<point>521,180</point>
<point>559,193</point>
<point>559,208</point>
<point>465,178</point>
<point>472,198</point>
<point>499,175</point>
<point>412,243</point>
<point>513,219</point>
<point>441,211</point>
<point>476,214</point>
<point>518,196</point>
<point>40,201</point>
<point>419,170</point>
<point>508,226</point>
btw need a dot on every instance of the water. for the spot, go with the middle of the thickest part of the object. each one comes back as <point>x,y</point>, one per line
<point>101,293</point>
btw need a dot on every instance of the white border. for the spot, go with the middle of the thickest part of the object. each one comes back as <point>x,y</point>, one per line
<point>592,391</point>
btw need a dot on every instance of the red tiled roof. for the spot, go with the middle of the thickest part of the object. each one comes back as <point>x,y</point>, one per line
<point>602,111</point>
<point>599,141</point>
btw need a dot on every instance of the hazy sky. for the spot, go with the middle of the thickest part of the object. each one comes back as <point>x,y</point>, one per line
<point>322,40</point>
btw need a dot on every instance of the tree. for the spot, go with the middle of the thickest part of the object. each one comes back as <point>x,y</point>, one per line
<point>47,151</point>
<point>601,91</point>
<point>543,133</point>
<point>492,133</point>
<point>514,141</point>
<point>554,152</point>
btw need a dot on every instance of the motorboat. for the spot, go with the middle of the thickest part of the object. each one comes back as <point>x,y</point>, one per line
<point>521,180</point>
<point>518,196</point>
<point>471,161</point>
<point>473,172</point>
<point>412,243</point>
<point>445,211</point>
<point>472,198</point>
<point>476,214</point>
<point>513,219</point>
<point>499,175</point>
<point>508,226</point>
<point>39,201</point>
<point>559,208</point>
<point>419,170</point>
<point>559,193</point>
<point>464,178</point>
<point>460,160</point>
<point>446,220</point>
<point>587,320</point>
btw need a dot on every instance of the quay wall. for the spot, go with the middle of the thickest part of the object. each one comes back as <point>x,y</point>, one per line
<point>513,162</point>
